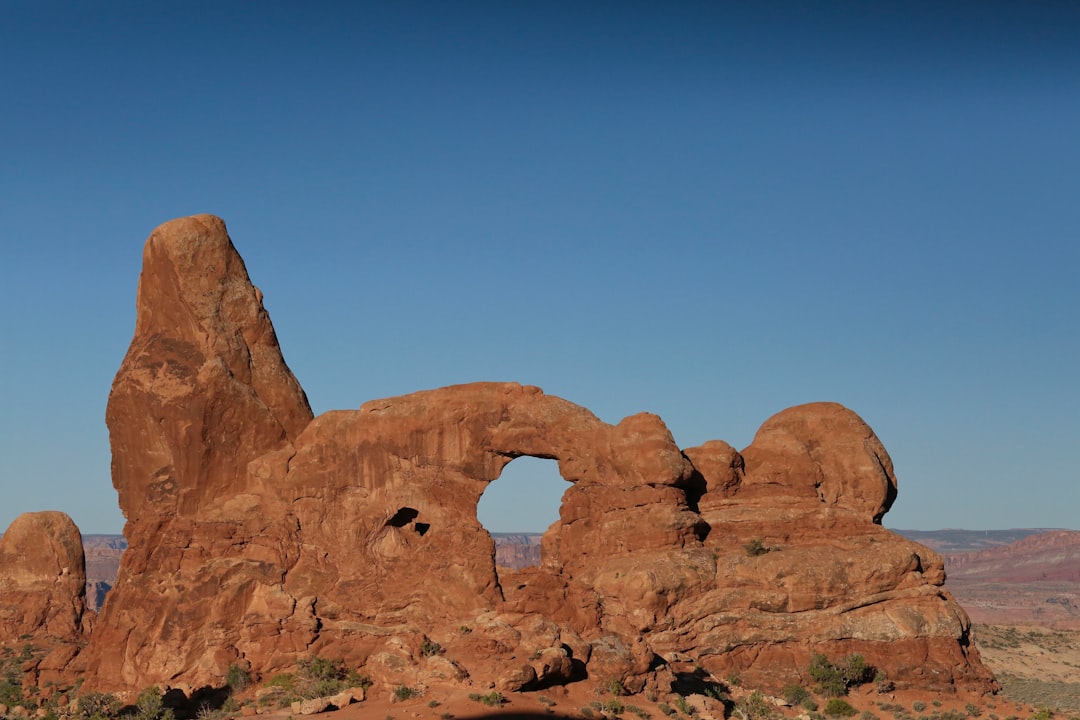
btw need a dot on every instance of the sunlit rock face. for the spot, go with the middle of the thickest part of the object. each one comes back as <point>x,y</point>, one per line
<point>259,534</point>
<point>42,580</point>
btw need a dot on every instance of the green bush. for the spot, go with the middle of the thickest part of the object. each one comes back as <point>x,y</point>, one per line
<point>404,692</point>
<point>98,706</point>
<point>614,706</point>
<point>838,707</point>
<point>834,679</point>
<point>918,706</point>
<point>684,707</point>
<point>973,710</point>
<point>11,693</point>
<point>11,690</point>
<point>795,694</point>
<point>756,707</point>
<point>492,699</point>
<point>319,677</point>
<point>615,687</point>
<point>148,706</point>
<point>237,678</point>
<point>429,648</point>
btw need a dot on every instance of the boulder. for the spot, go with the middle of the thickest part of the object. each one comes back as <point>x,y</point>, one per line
<point>42,580</point>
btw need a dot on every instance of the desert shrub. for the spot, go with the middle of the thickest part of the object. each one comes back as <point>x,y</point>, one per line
<point>640,712</point>
<point>684,707</point>
<point>149,705</point>
<point>838,707</point>
<point>237,678</point>
<point>973,710</point>
<point>545,700</point>
<point>430,647</point>
<point>867,715</point>
<point>614,706</point>
<point>316,677</point>
<point>404,692</point>
<point>667,709</point>
<point>756,707</point>
<point>11,693</point>
<point>795,694</point>
<point>492,699</point>
<point>615,687</point>
<point>586,712</point>
<point>918,706</point>
<point>11,690</point>
<point>434,704</point>
<point>755,547</point>
<point>1043,714</point>
<point>834,679</point>
<point>98,706</point>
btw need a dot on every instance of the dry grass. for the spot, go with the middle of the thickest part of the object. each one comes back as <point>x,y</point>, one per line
<point>1035,665</point>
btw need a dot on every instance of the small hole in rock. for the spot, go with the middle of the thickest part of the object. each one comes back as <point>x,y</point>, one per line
<point>403,517</point>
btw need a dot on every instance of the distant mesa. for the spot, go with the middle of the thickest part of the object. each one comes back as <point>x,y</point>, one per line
<point>259,534</point>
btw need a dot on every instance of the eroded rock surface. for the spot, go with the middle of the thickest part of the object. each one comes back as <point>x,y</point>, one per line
<point>259,535</point>
<point>42,580</point>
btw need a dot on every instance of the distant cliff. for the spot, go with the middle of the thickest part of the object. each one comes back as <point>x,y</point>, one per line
<point>516,551</point>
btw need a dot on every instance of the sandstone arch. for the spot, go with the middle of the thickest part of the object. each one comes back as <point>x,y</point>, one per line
<point>260,534</point>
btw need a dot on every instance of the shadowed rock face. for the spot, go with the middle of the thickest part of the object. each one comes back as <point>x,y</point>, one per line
<point>258,534</point>
<point>42,580</point>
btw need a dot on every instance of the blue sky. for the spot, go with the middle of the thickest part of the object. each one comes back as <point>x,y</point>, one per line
<point>710,211</point>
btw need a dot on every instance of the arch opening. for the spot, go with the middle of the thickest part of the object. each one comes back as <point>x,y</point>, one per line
<point>518,507</point>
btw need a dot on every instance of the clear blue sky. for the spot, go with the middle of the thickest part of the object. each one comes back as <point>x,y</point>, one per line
<point>709,211</point>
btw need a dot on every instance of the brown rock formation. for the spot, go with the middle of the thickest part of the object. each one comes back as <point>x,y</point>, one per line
<point>805,567</point>
<point>42,580</point>
<point>259,535</point>
<point>202,392</point>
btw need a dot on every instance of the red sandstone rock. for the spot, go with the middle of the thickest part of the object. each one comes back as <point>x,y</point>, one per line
<point>261,535</point>
<point>42,580</point>
<point>202,391</point>
<point>803,566</point>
